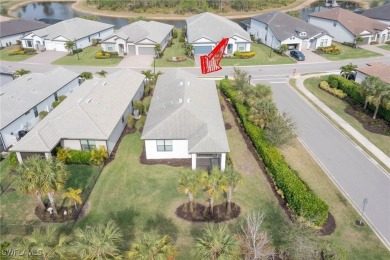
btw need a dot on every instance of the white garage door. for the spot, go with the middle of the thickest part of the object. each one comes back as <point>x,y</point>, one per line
<point>59,46</point>
<point>146,51</point>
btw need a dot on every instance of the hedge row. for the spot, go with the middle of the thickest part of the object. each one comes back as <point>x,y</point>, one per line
<point>244,54</point>
<point>69,156</point>
<point>352,89</point>
<point>296,193</point>
<point>332,49</point>
<point>334,91</point>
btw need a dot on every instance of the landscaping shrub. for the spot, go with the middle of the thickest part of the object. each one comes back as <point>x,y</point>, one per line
<point>141,122</point>
<point>298,196</point>
<point>86,75</point>
<point>242,55</point>
<point>79,157</point>
<point>77,51</point>
<point>332,49</point>
<point>139,106</point>
<point>146,103</point>
<point>130,121</point>
<point>374,42</point>
<point>387,42</point>
<point>334,91</point>
<point>182,39</point>
<point>13,160</point>
<point>334,83</point>
<point>57,102</point>
<point>43,114</point>
<point>349,44</point>
<point>352,89</point>
<point>63,154</point>
<point>102,55</point>
<point>99,155</point>
<point>174,33</point>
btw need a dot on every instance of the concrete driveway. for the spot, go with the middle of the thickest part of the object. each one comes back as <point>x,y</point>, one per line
<point>45,57</point>
<point>311,57</point>
<point>136,61</point>
<point>376,49</point>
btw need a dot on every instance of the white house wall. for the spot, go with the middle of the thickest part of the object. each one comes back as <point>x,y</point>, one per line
<point>29,119</point>
<point>324,37</point>
<point>360,77</point>
<point>291,40</point>
<point>258,29</point>
<point>339,32</point>
<point>179,150</point>
<point>9,40</point>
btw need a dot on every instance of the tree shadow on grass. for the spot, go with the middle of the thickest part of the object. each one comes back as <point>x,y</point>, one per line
<point>125,220</point>
<point>163,226</point>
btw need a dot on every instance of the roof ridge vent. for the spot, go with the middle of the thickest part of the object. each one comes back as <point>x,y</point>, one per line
<point>180,100</point>
<point>104,83</point>
<point>89,100</point>
<point>181,83</point>
<point>188,100</point>
<point>189,83</point>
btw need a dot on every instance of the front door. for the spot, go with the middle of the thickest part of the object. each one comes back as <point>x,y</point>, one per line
<point>230,48</point>
<point>121,49</point>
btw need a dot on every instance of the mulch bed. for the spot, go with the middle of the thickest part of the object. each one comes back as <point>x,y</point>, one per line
<point>228,126</point>
<point>45,216</point>
<point>364,116</point>
<point>202,213</point>
<point>170,162</point>
<point>328,228</point>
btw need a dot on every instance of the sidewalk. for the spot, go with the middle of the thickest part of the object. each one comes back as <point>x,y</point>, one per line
<point>376,49</point>
<point>347,127</point>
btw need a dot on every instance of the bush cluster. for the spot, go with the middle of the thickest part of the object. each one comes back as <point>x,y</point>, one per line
<point>334,91</point>
<point>244,54</point>
<point>77,51</point>
<point>332,49</point>
<point>298,196</point>
<point>349,44</point>
<point>387,42</point>
<point>69,156</point>
<point>23,51</point>
<point>102,55</point>
<point>352,89</point>
<point>374,42</point>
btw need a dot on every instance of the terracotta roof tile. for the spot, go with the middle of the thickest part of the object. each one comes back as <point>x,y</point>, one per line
<point>377,69</point>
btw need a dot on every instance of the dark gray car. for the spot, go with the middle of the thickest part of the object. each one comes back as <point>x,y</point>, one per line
<point>297,55</point>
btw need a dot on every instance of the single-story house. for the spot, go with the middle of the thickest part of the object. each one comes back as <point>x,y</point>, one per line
<point>12,30</point>
<point>22,99</point>
<point>92,116</point>
<point>206,30</point>
<point>346,26</point>
<point>375,69</point>
<point>6,76</point>
<point>277,28</point>
<point>185,121</point>
<point>54,37</point>
<point>379,13</point>
<point>138,38</point>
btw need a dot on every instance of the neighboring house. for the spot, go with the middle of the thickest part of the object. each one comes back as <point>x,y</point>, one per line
<point>277,28</point>
<point>6,76</point>
<point>346,26</point>
<point>379,13</point>
<point>206,30</point>
<point>375,69</point>
<point>55,36</point>
<point>22,99</point>
<point>12,30</point>
<point>185,121</point>
<point>93,115</point>
<point>138,38</point>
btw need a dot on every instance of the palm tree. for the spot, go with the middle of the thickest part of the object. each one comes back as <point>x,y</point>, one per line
<point>189,185</point>
<point>99,155</point>
<point>283,48</point>
<point>347,70</point>
<point>381,91</point>
<point>240,78</point>
<point>102,73</point>
<point>358,40</point>
<point>367,88</point>
<point>97,242</point>
<point>148,74</point>
<point>217,243</point>
<point>73,195</point>
<point>157,50</point>
<point>20,72</point>
<point>69,46</point>
<point>212,186</point>
<point>152,246</point>
<point>262,112</point>
<point>230,180</point>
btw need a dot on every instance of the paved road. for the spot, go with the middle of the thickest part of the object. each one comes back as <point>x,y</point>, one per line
<point>350,168</point>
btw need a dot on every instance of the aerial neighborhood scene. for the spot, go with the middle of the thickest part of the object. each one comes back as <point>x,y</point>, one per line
<point>195,129</point>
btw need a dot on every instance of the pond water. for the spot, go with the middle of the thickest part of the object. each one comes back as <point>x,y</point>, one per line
<point>64,10</point>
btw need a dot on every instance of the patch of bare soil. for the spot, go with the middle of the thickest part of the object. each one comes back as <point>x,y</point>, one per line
<point>64,214</point>
<point>228,126</point>
<point>364,116</point>
<point>170,162</point>
<point>202,213</point>
<point>329,226</point>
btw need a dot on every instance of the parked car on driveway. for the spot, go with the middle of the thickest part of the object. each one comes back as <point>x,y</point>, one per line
<point>297,55</point>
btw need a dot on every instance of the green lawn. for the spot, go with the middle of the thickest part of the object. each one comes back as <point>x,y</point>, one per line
<point>87,58</point>
<point>350,53</point>
<point>338,106</point>
<point>18,208</point>
<point>175,50</point>
<point>7,50</point>
<point>262,57</point>
<point>385,47</point>
<point>4,168</point>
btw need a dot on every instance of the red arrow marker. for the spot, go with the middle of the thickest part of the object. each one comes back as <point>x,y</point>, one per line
<point>210,63</point>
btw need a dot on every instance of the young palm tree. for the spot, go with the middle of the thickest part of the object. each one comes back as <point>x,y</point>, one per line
<point>20,72</point>
<point>262,112</point>
<point>152,246</point>
<point>230,180</point>
<point>97,242</point>
<point>157,50</point>
<point>212,186</point>
<point>347,70</point>
<point>217,243</point>
<point>69,46</point>
<point>99,155</point>
<point>102,73</point>
<point>367,88</point>
<point>189,185</point>
<point>240,78</point>
<point>73,195</point>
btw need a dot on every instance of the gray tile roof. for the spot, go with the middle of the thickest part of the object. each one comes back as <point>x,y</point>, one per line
<point>75,28</point>
<point>213,27</point>
<point>185,107</point>
<point>27,91</point>
<point>92,111</point>
<point>18,26</point>
<point>379,12</point>
<point>141,30</point>
<point>284,26</point>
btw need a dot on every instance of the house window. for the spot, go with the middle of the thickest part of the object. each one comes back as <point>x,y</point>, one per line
<point>266,28</point>
<point>99,34</point>
<point>110,48</point>
<point>302,34</point>
<point>28,112</point>
<point>334,24</point>
<point>164,146</point>
<point>87,145</point>
<point>29,44</point>
<point>35,111</point>
<point>89,38</point>
<point>241,46</point>
<point>55,96</point>
<point>123,119</point>
<point>324,42</point>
